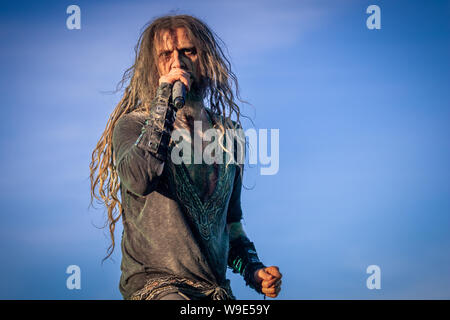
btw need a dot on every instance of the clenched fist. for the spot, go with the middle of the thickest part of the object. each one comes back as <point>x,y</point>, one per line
<point>270,280</point>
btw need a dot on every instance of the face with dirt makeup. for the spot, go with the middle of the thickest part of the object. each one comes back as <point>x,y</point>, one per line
<point>177,58</point>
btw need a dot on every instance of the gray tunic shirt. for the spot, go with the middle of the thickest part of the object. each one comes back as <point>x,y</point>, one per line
<point>167,228</point>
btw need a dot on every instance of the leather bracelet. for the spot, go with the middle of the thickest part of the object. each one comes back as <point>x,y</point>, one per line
<point>156,132</point>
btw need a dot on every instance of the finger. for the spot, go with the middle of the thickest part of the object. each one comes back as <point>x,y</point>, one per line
<point>188,78</point>
<point>277,283</point>
<point>268,290</point>
<point>183,76</point>
<point>268,283</point>
<point>176,73</point>
<point>273,270</point>
<point>179,74</point>
<point>273,282</point>
<point>264,275</point>
<point>273,295</point>
<point>185,82</point>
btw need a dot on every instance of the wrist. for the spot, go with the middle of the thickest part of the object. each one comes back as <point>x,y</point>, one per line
<point>163,84</point>
<point>163,94</point>
<point>243,259</point>
<point>251,276</point>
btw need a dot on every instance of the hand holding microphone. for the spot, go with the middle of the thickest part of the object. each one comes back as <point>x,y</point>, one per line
<point>163,116</point>
<point>181,80</point>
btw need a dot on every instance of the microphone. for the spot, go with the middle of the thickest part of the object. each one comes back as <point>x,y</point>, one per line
<point>178,94</point>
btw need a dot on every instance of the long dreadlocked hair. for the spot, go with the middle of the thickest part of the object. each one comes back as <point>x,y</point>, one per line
<point>218,87</point>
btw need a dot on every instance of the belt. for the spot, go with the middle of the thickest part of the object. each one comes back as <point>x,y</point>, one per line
<point>195,289</point>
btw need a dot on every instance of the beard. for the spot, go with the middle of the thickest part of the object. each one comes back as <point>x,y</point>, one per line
<point>197,91</point>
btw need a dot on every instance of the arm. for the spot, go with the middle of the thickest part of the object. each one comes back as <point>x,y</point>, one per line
<point>235,230</point>
<point>141,144</point>
<point>242,257</point>
<point>141,148</point>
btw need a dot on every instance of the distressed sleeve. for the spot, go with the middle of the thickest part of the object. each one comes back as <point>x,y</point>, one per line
<point>137,168</point>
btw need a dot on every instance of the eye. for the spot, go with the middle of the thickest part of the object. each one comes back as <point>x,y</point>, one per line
<point>190,51</point>
<point>165,54</point>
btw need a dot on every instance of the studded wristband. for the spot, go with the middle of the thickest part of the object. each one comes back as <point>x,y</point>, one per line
<point>156,132</point>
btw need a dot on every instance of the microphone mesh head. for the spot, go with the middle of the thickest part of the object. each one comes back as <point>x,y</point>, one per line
<point>179,102</point>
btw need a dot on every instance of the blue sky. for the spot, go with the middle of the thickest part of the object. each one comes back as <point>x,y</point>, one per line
<point>364,142</point>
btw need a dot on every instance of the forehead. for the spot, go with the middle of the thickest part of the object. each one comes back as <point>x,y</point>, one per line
<point>170,39</point>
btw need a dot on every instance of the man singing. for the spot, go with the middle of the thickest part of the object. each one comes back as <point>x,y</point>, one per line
<point>181,221</point>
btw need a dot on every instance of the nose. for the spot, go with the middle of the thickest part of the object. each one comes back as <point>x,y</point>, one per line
<point>176,59</point>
